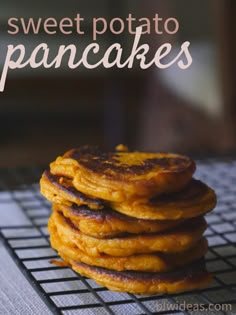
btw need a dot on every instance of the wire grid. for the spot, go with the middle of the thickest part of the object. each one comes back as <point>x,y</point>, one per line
<point>66,292</point>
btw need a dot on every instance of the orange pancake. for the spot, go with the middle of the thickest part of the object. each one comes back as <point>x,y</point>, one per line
<point>191,277</point>
<point>156,262</point>
<point>177,240</point>
<point>194,200</point>
<point>122,176</point>
<point>108,223</point>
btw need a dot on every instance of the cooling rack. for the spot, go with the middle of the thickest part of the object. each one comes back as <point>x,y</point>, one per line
<point>65,292</point>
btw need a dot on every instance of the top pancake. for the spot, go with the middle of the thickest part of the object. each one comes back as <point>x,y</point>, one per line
<point>121,176</point>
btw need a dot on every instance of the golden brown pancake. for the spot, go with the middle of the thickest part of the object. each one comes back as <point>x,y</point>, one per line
<point>156,262</point>
<point>194,200</point>
<point>121,176</point>
<point>177,240</point>
<point>191,277</point>
<point>61,190</point>
<point>108,223</point>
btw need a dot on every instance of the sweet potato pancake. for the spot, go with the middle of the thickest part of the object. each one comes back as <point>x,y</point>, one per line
<point>61,190</point>
<point>121,176</point>
<point>178,239</point>
<point>132,221</point>
<point>193,276</point>
<point>156,262</point>
<point>194,200</point>
<point>107,222</point>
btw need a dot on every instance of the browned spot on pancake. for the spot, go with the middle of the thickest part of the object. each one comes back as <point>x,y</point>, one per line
<point>100,161</point>
<point>193,272</point>
<point>55,180</point>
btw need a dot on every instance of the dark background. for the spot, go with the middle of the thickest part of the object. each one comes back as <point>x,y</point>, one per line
<point>45,112</point>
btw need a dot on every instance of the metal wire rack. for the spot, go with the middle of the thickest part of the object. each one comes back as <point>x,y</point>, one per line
<point>66,292</point>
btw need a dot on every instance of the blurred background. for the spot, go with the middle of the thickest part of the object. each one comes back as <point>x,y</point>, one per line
<point>44,112</point>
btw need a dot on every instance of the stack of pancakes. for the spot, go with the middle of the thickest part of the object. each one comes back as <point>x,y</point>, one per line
<point>132,221</point>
